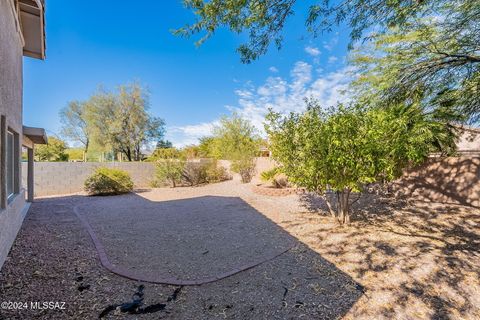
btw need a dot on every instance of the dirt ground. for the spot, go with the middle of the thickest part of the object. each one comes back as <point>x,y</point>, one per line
<point>396,260</point>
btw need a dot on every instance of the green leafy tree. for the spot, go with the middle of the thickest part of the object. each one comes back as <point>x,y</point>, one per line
<point>74,123</point>
<point>236,139</point>
<point>340,151</point>
<point>75,154</point>
<point>263,20</point>
<point>207,147</point>
<point>163,144</point>
<point>435,63</point>
<point>121,121</point>
<point>53,151</point>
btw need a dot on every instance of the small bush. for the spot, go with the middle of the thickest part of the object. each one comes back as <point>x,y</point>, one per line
<point>275,177</point>
<point>169,171</point>
<point>194,173</point>
<point>216,173</point>
<point>245,167</point>
<point>268,175</point>
<point>107,181</point>
<point>176,172</point>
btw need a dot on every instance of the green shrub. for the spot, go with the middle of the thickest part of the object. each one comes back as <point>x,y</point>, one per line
<point>107,181</point>
<point>166,153</point>
<point>178,172</point>
<point>196,173</point>
<point>169,171</point>
<point>275,177</point>
<point>269,175</point>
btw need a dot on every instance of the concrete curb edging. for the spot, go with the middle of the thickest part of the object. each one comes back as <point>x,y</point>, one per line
<point>163,280</point>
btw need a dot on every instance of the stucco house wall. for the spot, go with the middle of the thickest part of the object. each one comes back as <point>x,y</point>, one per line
<point>11,61</point>
<point>22,33</point>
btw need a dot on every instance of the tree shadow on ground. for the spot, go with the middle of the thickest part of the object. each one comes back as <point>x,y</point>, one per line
<point>418,259</point>
<point>298,283</point>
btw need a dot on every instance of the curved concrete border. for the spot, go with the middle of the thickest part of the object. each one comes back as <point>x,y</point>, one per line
<point>160,280</point>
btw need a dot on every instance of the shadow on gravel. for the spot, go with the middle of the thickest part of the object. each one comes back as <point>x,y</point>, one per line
<point>421,253</point>
<point>185,241</point>
<point>189,238</point>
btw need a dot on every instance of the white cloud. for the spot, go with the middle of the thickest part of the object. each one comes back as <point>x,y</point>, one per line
<point>280,94</point>
<point>312,51</point>
<point>332,59</point>
<point>331,43</point>
<point>273,69</point>
<point>285,95</point>
<point>301,74</point>
<point>185,135</point>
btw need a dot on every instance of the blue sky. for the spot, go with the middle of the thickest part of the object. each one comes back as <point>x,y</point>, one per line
<point>92,43</point>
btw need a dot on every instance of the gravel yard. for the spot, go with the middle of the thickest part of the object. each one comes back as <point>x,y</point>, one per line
<point>402,260</point>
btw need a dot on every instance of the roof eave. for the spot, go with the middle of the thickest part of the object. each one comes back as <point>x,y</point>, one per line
<point>36,135</point>
<point>32,17</point>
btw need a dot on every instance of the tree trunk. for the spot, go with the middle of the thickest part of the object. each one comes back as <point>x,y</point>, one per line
<point>329,205</point>
<point>129,154</point>
<point>343,206</point>
<point>136,153</point>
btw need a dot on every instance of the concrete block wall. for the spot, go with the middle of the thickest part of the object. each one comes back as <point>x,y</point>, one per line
<point>56,178</point>
<point>453,180</point>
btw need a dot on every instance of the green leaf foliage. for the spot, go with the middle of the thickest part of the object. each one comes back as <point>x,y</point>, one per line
<point>434,62</point>
<point>269,175</point>
<point>346,148</point>
<point>55,150</point>
<point>116,121</point>
<point>108,181</point>
<point>169,170</point>
<point>263,20</point>
<point>235,139</point>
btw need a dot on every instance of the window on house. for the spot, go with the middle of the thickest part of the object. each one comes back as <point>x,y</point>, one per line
<point>11,163</point>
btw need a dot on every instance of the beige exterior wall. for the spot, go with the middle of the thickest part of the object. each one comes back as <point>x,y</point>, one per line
<point>469,142</point>
<point>450,180</point>
<point>11,60</point>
